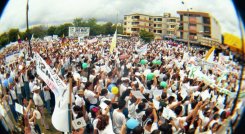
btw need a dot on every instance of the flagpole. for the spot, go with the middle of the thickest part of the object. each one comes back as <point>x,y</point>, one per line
<point>70,105</point>
<point>117,21</point>
<point>27,26</point>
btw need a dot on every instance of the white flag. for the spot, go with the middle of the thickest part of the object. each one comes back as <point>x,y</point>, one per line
<point>60,115</point>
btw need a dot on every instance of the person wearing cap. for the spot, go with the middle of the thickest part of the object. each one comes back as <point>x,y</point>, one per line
<point>39,104</point>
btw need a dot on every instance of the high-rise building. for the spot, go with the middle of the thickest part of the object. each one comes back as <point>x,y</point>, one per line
<point>161,26</point>
<point>200,27</point>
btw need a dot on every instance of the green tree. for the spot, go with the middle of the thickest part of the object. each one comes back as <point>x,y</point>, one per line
<point>108,28</point>
<point>63,29</point>
<point>13,35</point>
<point>51,30</point>
<point>38,31</point>
<point>146,36</point>
<point>23,35</point>
<point>77,22</point>
<point>119,29</point>
<point>94,27</point>
<point>4,39</point>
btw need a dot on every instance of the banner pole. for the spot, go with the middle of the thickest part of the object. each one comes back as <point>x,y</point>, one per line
<point>70,105</point>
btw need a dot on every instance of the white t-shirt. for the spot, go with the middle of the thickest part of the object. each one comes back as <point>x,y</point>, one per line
<point>108,129</point>
<point>18,88</point>
<point>122,88</point>
<point>153,127</point>
<point>46,95</point>
<point>13,94</point>
<point>139,116</point>
<point>79,101</point>
<point>90,95</point>
<point>118,120</point>
<point>31,85</point>
<point>37,99</point>
<point>132,110</point>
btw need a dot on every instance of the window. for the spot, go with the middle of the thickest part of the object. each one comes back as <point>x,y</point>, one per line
<point>192,24</point>
<point>125,18</point>
<point>124,29</point>
<point>159,25</point>
<point>155,25</point>
<point>150,19</point>
<point>206,20</point>
<point>125,23</point>
<point>172,26</point>
<point>181,17</point>
<point>171,20</point>
<point>181,35</point>
<point>154,31</point>
<point>135,17</point>
<point>135,23</point>
<point>159,31</point>
<point>135,29</point>
<point>208,36</point>
<point>170,32</point>
<point>155,19</point>
<point>159,19</point>
<point>206,29</point>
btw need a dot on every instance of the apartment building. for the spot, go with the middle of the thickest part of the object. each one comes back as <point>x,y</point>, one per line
<point>170,25</point>
<point>160,25</point>
<point>200,27</point>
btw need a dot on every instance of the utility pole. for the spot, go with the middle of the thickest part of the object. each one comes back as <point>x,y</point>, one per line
<point>27,26</point>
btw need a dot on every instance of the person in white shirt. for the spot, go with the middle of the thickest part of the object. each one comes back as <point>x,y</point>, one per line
<point>47,97</point>
<point>151,124</point>
<point>118,117</point>
<point>104,125</point>
<point>81,102</point>
<point>90,95</point>
<point>18,90</point>
<point>39,104</point>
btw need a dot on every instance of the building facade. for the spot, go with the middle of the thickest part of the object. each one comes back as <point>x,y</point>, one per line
<point>170,25</point>
<point>199,27</point>
<point>159,25</point>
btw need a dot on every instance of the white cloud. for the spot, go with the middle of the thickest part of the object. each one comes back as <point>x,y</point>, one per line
<point>59,11</point>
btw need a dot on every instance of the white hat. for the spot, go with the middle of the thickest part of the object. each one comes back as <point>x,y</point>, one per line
<point>37,114</point>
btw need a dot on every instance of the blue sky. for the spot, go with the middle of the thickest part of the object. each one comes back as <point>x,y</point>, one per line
<point>50,12</point>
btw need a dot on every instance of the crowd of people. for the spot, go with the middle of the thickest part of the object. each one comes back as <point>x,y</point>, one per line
<point>169,99</point>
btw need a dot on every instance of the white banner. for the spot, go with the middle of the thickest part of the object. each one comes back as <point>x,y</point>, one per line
<point>48,38</point>
<point>48,75</point>
<point>142,50</point>
<point>12,58</point>
<point>60,114</point>
<point>78,31</point>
